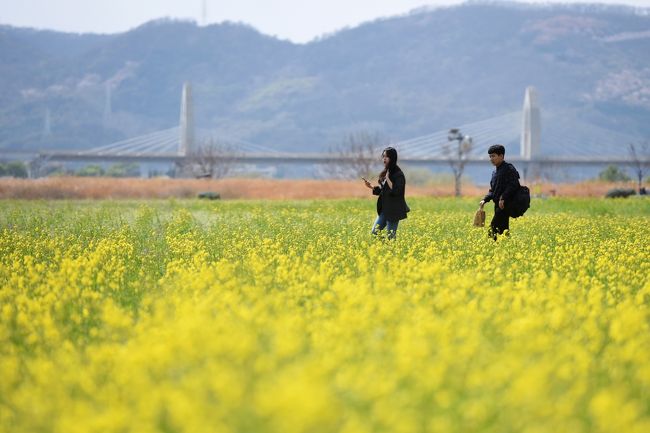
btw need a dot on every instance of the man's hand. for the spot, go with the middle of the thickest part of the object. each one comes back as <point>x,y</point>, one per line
<point>502,204</point>
<point>481,204</point>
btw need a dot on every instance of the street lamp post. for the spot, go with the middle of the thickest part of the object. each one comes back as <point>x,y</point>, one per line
<point>457,155</point>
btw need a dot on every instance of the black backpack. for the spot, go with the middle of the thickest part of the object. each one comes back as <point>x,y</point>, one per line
<point>520,202</point>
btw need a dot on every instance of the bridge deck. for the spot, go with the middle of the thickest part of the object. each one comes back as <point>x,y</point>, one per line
<point>321,158</point>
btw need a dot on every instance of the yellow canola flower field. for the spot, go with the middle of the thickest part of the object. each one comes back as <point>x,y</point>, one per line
<point>289,317</point>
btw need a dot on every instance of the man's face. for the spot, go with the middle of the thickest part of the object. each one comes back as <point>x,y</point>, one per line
<point>496,159</point>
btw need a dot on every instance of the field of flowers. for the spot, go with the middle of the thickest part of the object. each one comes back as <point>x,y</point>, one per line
<point>185,316</point>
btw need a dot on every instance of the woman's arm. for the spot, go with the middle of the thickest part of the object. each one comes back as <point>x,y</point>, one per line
<point>388,181</point>
<point>376,190</point>
<point>397,187</point>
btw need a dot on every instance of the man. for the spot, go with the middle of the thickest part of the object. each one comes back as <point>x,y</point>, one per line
<point>503,186</point>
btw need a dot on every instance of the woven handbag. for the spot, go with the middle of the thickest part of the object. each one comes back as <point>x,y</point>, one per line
<point>479,218</point>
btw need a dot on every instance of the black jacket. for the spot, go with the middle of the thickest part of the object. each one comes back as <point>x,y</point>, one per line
<point>391,201</point>
<point>504,183</point>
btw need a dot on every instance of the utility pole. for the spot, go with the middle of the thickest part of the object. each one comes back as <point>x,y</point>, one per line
<point>458,155</point>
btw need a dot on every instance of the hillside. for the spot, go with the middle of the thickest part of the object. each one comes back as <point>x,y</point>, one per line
<point>402,77</point>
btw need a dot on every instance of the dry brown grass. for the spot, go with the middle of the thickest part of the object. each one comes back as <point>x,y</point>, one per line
<point>104,188</point>
<point>590,188</point>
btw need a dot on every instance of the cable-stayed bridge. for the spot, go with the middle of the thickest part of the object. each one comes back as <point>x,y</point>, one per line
<point>520,131</point>
<point>164,146</point>
<point>160,145</point>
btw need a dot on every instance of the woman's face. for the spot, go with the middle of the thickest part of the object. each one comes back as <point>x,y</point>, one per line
<point>386,159</point>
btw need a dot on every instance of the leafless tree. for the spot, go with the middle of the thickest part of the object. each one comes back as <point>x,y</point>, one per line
<point>357,155</point>
<point>37,167</point>
<point>211,159</point>
<point>640,155</point>
<point>457,149</point>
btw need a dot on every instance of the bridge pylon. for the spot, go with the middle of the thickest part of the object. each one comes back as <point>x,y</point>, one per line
<point>531,128</point>
<point>47,125</point>
<point>186,144</point>
<point>531,125</point>
<point>108,109</point>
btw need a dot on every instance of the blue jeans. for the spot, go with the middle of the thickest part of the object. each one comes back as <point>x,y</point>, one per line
<point>381,223</point>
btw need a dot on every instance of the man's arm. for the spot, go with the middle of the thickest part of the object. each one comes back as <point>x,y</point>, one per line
<point>512,184</point>
<point>489,196</point>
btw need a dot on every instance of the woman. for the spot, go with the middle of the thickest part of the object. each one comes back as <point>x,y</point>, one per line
<point>391,206</point>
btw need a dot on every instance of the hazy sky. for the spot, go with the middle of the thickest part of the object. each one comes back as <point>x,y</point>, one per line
<point>297,20</point>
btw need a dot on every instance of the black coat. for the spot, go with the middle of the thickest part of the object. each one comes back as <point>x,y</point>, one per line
<point>391,201</point>
<point>504,183</point>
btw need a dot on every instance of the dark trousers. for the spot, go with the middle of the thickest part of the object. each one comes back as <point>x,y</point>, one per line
<point>500,221</point>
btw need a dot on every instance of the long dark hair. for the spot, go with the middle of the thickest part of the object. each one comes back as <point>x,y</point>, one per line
<point>391,153</point>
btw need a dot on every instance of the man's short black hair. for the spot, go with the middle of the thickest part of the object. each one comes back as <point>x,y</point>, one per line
<point>498,149</point>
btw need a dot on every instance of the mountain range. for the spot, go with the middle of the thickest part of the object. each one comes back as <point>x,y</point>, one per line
<point>401,77</point>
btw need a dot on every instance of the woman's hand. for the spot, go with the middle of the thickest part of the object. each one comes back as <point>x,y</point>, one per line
<point>390,184</point>
<point>368,184</point>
